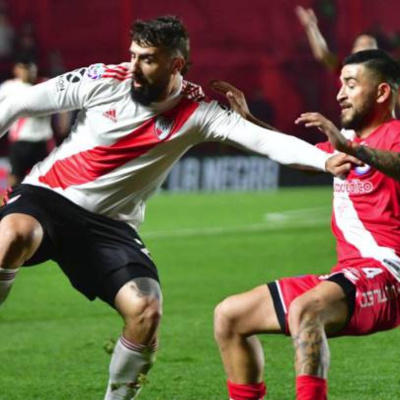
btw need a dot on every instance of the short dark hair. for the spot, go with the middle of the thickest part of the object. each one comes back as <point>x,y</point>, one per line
<point>381,64</point>
<point>167,31</point>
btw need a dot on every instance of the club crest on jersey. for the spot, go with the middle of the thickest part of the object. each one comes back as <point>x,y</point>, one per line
<point>362,169</point>
<point>95,71</point>
<point>163,127</point>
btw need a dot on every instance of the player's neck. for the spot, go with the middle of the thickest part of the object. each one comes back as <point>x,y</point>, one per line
<point>172,88</point>
<point>375,123</point>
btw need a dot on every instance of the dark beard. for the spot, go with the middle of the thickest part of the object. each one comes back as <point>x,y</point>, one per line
<point>146,94</point>
<point>360,119</point>
<point>356,123</point>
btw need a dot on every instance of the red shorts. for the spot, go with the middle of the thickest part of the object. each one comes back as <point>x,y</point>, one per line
<point>372,291</point>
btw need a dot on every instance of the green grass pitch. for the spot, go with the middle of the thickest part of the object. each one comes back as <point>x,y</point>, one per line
<point>206,247</point>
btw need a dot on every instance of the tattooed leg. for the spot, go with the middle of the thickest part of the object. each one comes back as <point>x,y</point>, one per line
<point>312,317</point>
<point>312,354</point>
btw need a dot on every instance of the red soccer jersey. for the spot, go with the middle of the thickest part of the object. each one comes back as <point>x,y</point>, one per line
<point>366,205</point>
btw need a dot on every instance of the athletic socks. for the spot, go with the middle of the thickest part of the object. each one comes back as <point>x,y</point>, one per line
<point>251,391</point>
<point>129,365</point>
<point>7,277</point>
<point>310,387</point>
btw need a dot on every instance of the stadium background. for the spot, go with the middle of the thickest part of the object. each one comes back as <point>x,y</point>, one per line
<point>257,45</point>
<point>207,246</point>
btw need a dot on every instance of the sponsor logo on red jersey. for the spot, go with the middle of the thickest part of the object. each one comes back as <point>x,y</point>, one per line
<point>354,186</point>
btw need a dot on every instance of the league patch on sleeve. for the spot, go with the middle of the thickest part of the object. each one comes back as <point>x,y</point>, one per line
<point>70,77</point>
<point>95,71</point>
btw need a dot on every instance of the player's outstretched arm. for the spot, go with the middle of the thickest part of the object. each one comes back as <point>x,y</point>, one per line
<point>317,42</point>
<point>237,101</point>
<point>387,162</point>
<point>221,124</point>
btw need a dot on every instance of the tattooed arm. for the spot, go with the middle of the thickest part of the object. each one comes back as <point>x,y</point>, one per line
<point>385,161</point>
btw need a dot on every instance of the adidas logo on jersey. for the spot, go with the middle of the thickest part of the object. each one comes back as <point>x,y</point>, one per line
<point>111,114</point>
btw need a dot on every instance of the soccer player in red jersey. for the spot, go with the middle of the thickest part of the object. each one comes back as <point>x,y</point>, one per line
<point>361,295</point>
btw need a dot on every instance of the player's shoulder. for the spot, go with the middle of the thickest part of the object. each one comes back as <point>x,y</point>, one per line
<point>115,72</point>
<point>207,105</point>
<point>107,73</point>
<point>99,73</point>
<point>194,92</point>
<point>393,126</point>
<point>390,132</point>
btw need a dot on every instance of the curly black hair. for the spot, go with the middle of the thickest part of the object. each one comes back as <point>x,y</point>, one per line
<point>167,31</point>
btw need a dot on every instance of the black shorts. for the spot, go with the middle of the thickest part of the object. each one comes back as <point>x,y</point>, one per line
<point>98,254</point>
<point>24,155</point>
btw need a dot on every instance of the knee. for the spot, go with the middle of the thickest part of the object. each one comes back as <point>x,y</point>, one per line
<point>14,237</point>
<point>303,309</point>
<point>225,320</point>
<point>20,230</point>
<point>144,310</point>
<point>18,241</point>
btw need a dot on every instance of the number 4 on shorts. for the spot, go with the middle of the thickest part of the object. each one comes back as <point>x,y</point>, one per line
<point>372,272</point>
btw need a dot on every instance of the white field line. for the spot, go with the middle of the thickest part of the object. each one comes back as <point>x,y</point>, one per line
<point>305,217</point>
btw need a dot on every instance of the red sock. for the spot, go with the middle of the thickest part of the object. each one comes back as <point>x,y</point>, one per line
<point>310,387</point>
<point>251,391</point>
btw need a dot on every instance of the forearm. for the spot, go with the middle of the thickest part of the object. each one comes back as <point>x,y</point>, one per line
<point>387,162</point>
<point>319,46</point>
<point>289,150</point>
<point>282,148</point>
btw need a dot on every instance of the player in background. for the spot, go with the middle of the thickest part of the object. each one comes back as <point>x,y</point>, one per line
<point>361,295</point>
<point>28,136</point>
<point>82,206</point>
<point>318,44</point>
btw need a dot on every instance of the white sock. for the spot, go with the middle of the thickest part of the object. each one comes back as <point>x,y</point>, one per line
<point>7,278</point>
<point>129,364</point>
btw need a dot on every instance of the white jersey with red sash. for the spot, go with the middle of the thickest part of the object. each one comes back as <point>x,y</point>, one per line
<point>119,151</point>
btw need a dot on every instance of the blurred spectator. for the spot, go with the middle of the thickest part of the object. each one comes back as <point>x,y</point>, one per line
<point>318,43</point>
<point>7,34</point>
<point>55,63</point>
<point>26,46</point>
<point>28,137</point>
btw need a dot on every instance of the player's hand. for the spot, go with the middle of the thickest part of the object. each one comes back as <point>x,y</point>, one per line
<point>236,97</point>
<point>306,16</point>
<point>338,141</point>
<point>340,164</point>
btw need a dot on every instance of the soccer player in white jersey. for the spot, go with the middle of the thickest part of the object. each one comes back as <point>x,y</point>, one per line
<point>361,295</point>
<point>82,205</point>
<point>28,136</point>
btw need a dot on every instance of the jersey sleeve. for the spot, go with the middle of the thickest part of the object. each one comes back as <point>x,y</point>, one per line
<point>221,124</point>
<point>70,91</point>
